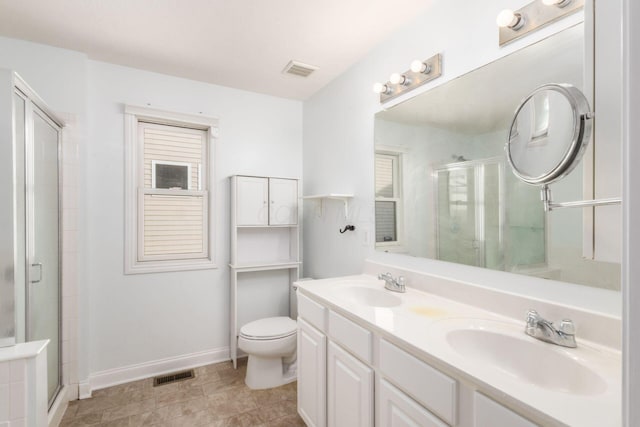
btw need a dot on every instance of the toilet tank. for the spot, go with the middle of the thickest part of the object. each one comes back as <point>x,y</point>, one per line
<point>293,298</point>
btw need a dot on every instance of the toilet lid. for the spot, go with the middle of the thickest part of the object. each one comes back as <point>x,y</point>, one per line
<point>269,328</point>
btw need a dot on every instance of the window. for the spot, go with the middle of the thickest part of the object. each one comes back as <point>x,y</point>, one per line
<point>168,171</point>
<point>388,199</point>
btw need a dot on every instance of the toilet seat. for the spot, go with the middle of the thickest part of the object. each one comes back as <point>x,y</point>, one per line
<point>270,328</point>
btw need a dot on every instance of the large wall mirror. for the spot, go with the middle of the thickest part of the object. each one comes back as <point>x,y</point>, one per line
<point>445,191</point>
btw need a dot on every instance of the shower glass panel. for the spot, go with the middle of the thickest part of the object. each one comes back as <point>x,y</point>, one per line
<point>469,218</point>
<point>43,304</point>
<point>457,234</point>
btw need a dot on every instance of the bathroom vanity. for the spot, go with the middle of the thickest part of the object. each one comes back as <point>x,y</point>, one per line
<point>368,356</point>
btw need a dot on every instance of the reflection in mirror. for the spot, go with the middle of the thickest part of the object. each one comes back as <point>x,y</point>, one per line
<point>550,133</point>
<point>444,189</point>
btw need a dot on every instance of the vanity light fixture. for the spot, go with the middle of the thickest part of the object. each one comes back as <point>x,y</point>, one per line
<point>381,88</point>
<point>418,66</point>
<point>515,24</point>
<point>510,19</point>
<point>420,73</point>
<point>399,79</point>
<point>559,3</point>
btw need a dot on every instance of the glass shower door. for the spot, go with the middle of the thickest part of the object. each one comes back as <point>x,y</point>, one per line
<point>456,216</point>
<point>469,213</point>
<point>43,300</point>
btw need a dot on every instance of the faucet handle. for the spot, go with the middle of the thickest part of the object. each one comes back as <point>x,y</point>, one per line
<point>401,280</point>
<point>532,322</point>
<point>567,327</point>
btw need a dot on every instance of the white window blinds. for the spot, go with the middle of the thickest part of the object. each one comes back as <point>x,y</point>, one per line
<point>172,209</point>
<point>388,201</point>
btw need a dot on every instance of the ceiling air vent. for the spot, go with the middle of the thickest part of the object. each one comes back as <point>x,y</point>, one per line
<point>299,69</point>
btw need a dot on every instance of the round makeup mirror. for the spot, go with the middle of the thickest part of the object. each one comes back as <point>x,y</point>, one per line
<point>549,133</point>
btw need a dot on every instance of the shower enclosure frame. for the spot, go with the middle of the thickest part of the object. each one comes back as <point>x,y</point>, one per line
<point>35,105</point>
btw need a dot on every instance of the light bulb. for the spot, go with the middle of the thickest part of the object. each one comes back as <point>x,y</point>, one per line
<point>397,78</point>
<point>380,88</point>
<point>507,18</point>
<point>418,66</point>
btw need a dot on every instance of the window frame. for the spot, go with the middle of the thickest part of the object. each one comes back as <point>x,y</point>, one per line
<point>134,260</point>
<point>397,244</point>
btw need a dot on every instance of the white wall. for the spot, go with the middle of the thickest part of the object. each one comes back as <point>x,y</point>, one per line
<point>146,317</point>
<point>338,120</point>
<point>139,319</point>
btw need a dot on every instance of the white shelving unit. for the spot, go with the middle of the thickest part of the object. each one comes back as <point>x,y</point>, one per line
<point>265,237</point>
<point>320,198</point>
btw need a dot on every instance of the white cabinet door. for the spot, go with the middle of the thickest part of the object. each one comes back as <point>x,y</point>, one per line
<point>349,390</point>
<point>396,409</point>
<point>312,375</point>
<point>489,413</point>
<point>252,195</point>
<point>283,203</point>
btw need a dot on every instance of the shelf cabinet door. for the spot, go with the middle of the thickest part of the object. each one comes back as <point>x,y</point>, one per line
<point>312,375</point>
<point>252,195</point>
<point>349,390</point>
<point>396,409</point>
<point>283,203</point>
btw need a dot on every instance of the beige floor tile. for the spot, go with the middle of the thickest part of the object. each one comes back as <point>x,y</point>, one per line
<point>128,409</point>
<point>277,410</point>
<point>120,422</point>
<point>201,418</point>
<point>289,421</point>
<point>216,397</point>
<point>181,394</point>
<point>247,419</point>
<point>82,420</point>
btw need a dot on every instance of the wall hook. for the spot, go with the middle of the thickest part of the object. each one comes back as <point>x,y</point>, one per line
<point>347,228</point>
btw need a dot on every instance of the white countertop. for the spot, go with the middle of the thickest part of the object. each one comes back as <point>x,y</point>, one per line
<point>417,324</point>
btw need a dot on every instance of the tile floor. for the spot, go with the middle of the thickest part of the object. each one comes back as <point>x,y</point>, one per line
<point>217,397</point>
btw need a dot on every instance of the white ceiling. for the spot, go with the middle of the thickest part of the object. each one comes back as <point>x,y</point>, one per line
<point>243,44</point>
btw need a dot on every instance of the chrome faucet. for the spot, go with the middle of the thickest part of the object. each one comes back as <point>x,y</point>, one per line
<point>391,283</point>
<point>544,330</point>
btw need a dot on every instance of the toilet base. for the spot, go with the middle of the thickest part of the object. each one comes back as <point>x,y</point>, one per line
<point>266,372</point>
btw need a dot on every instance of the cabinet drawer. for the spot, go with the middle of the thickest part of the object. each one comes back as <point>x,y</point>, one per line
<point>396,409</point>
<point>312,312</point>
<point>352,337</point>
<point>430,387</point>
<point>489,413</point>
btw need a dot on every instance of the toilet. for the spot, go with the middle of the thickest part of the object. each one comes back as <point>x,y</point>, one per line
<point>270,344</point>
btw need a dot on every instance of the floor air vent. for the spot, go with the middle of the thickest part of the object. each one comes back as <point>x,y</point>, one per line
<point>174,377</point>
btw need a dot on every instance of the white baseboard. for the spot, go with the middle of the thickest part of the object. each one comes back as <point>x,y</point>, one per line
<point>140,371</point>
<point>84,390</point>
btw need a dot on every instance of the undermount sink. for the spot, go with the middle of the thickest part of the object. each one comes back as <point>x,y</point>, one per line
<point>363,295</point>
<point>504,347</point>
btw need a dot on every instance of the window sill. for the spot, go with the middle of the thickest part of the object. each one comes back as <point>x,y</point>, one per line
<point>145,267</point>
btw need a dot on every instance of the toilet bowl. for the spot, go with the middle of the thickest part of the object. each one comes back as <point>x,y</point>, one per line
<point>271,346</point>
